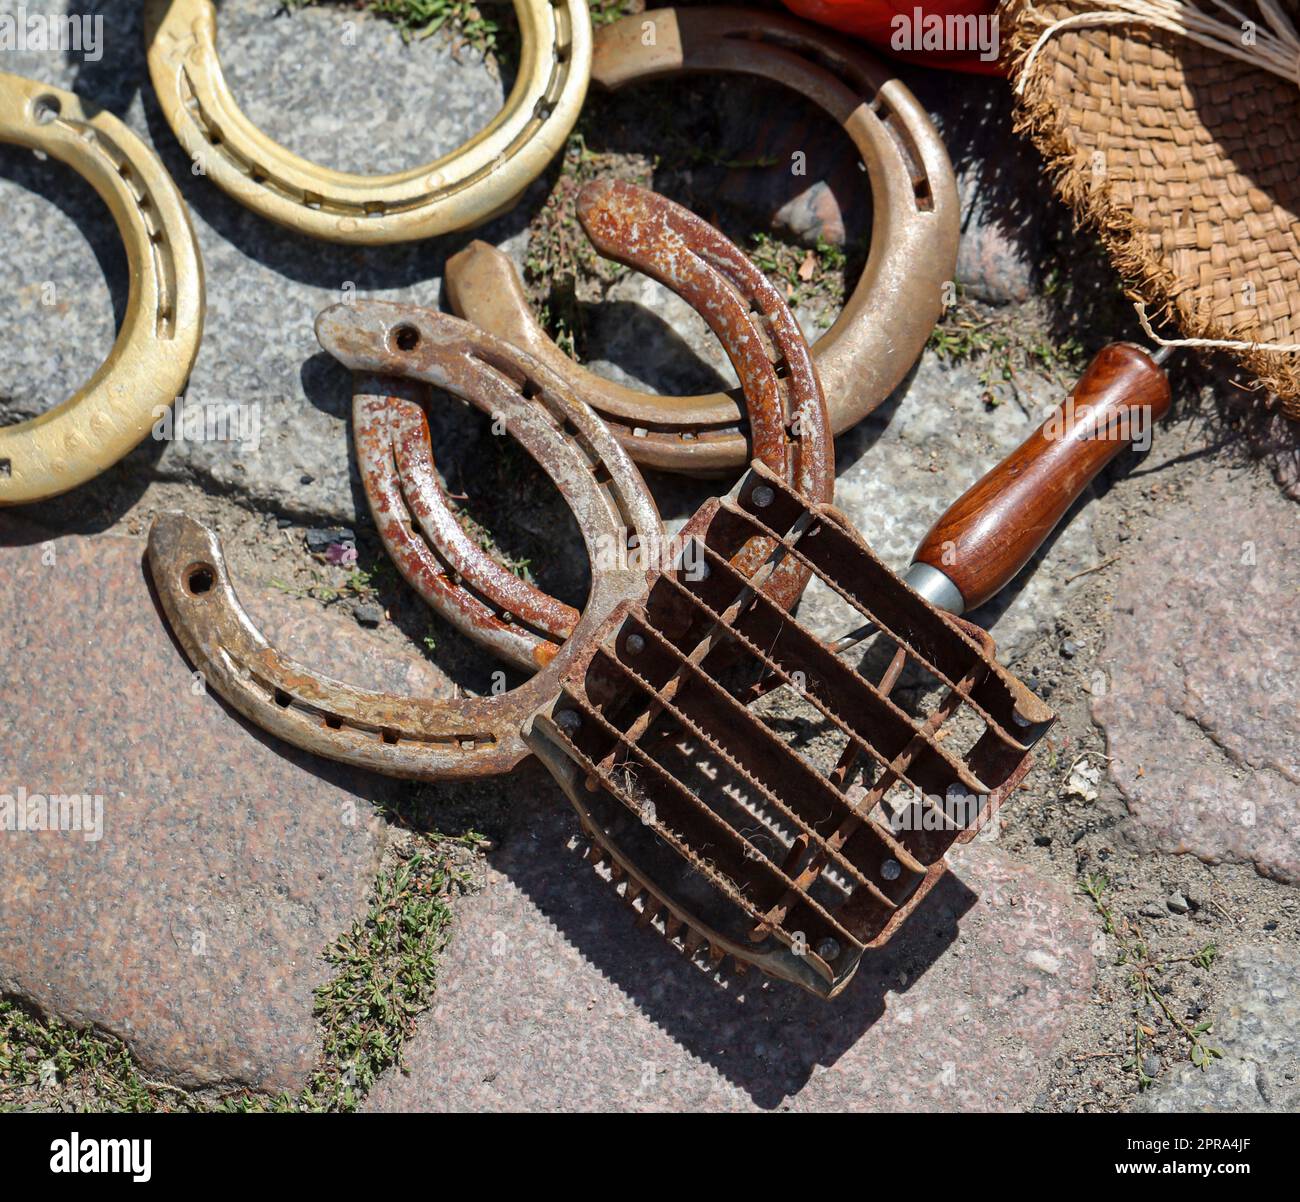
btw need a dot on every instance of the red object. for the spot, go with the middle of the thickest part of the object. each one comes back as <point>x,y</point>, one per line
<point>908,30</point>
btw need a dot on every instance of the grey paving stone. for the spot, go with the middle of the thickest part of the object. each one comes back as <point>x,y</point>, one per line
<point>1258,1032</point>
<point>552,1000</point>
<point>1202,679</point>
<point>193,926</point>
<point>302,81</point>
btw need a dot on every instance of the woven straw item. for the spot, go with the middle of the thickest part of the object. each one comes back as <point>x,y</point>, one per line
<point>1188,162</point>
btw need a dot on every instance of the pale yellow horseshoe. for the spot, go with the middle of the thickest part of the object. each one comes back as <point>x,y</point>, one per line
<point>458,191</point>
<point>155,348</point>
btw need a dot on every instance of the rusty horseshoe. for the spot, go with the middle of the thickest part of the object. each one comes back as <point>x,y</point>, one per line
<point>784,404</point>
<point>425,739</point>
<point>395,352</point>
<point>885,322</point>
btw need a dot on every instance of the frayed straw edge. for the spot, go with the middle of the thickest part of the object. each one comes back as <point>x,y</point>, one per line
<point>1142,271</point>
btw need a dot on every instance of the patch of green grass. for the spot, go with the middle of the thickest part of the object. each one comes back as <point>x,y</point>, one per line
<point>807,275</point>
<point>422,18</point>
<point>386,969</point>
<point>606,12</point>
<point>385,973</point>
<point>562,268</point>
<point>1004,345</point>
<point>419,19</point>
<point>45,1063</point>
<point>1145,967</point>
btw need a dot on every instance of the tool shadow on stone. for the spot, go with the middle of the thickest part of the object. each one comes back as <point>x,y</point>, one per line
<point>694,1006</point>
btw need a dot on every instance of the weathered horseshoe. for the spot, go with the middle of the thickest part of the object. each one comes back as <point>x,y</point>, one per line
<point>159,338</point>
<point>458,191</point>
<point>390,346</point>
<point>415,738</point>
<point>884,325</point>
<point>784,404</point>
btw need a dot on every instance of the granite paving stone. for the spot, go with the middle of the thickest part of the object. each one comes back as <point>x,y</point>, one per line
<point>1201,683</point>
<point>1257,1030</point>
<point>193,927</point>
<point>551,999</point>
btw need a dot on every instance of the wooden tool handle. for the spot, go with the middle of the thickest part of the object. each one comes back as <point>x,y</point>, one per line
<point>987,535</point>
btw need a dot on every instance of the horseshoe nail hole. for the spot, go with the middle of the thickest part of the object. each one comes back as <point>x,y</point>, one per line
<point>333,722</point>
<point>46,109</point>
<point>282,699</point>
<point>406,338</point>
<point>389,736</point>
<point>199,579</point>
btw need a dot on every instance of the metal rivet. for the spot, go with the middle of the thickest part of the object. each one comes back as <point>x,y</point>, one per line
<point>891,870</point>
<point>762,496</point>
<point>568,721</point>
<point>828,949</point>
<point>635,644</point>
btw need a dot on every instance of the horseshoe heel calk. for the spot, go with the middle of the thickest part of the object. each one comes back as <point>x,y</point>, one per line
<point>159,338</point>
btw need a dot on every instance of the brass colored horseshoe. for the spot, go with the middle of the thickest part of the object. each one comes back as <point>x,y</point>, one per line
<point>159,338</point>
<point>412,737</point>
<point>883,326</point>
<point>458,191</point>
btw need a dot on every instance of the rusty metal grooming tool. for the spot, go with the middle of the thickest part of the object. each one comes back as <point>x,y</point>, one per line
<point>884,324</point>
<point>783,402</point>
<point>159,338</point>
<point>762,855</point>
<point>458,191</point>
<point>405,737</point>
